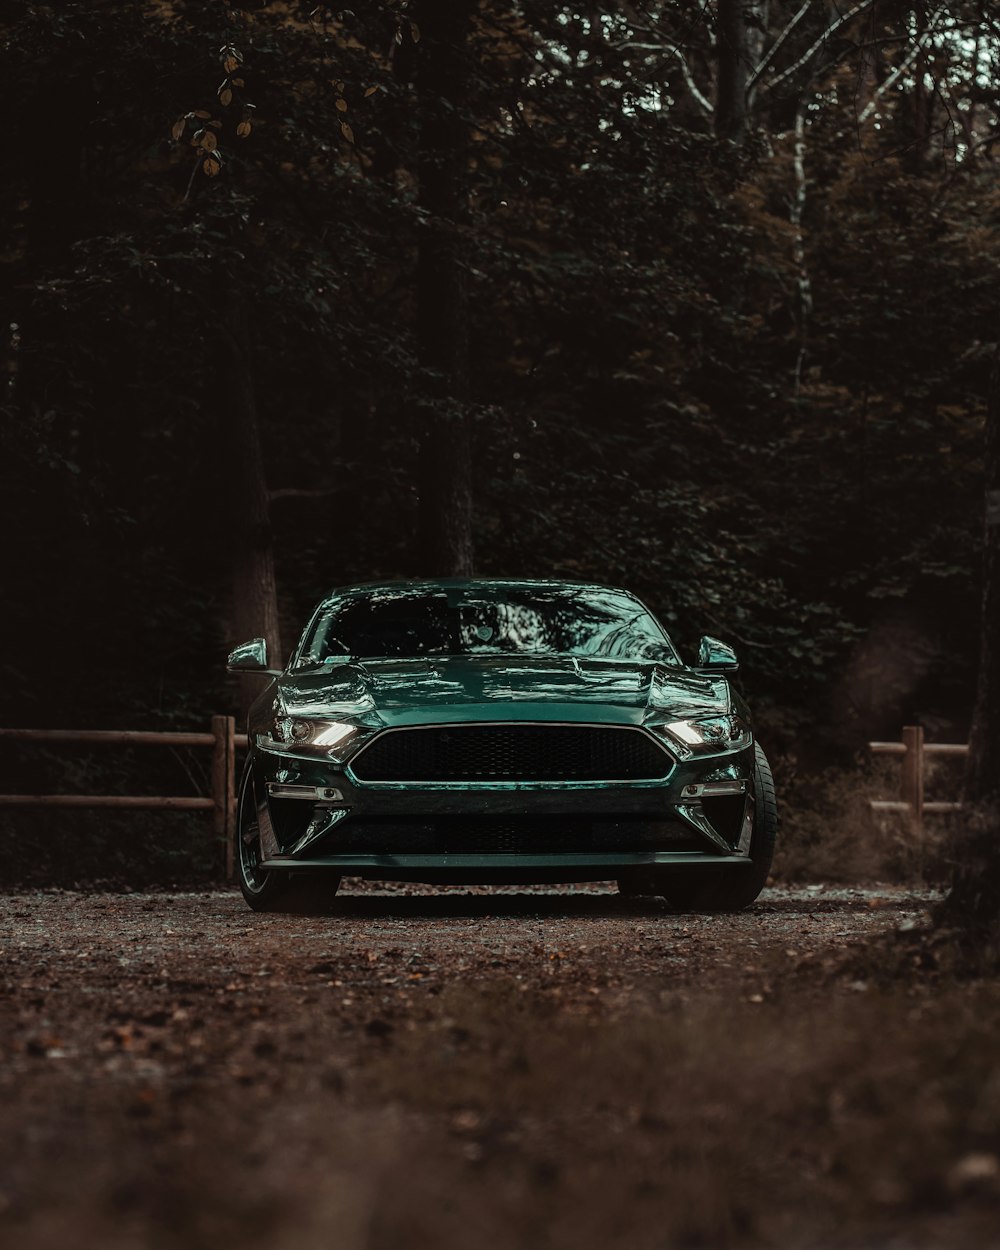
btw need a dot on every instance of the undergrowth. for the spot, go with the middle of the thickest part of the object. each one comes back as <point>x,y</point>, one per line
<point>830,832</point>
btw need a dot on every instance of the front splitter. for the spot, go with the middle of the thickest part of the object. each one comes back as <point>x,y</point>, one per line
<point>502,862</point>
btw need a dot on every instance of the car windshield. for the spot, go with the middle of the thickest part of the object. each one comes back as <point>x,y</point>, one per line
<point>486,620</point>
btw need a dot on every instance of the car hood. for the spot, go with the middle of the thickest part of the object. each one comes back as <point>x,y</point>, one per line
<point>477,688</point>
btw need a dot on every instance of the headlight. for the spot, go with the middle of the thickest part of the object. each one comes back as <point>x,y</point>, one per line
<point>709,735</point>
<point>292,731</point>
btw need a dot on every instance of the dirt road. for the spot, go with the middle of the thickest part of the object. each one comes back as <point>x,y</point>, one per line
<point>544,1068</point>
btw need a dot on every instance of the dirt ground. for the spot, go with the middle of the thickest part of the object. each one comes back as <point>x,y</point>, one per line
<point>553,1067</point>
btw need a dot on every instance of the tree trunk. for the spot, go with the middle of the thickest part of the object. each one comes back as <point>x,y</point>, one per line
<point>249,537</point>
<point>731,116</point>
<point>444,531</point>
<point>924,96</point>
<point>974,900</point>
<point>60,555</point>
<point>50,160</point>
<point>796,215</point>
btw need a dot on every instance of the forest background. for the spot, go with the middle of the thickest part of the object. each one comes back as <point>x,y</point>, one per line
<point>694,298</point>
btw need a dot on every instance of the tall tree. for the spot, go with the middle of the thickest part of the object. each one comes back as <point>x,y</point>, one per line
<point>249,537</point>
<point>731,113</point>
<point>444,531</point>
<point>974,900</point>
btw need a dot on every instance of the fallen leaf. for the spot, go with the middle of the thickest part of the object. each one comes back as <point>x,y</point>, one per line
<point>977,1170</point>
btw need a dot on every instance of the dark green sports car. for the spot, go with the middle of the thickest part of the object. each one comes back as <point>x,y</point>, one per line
<point>485,730</point>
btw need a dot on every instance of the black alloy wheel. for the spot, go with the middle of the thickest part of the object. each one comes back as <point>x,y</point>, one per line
<point>261,887</point>
<point>266,889</point>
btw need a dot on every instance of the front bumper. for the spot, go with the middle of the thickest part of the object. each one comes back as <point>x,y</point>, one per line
<point>315,814</point>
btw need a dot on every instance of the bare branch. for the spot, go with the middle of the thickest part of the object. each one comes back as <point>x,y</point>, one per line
<point>673,50</point>
<point>769,56</point>
<point>896,74</point>
<point>815,46</point>
<point>190,184</point>
<point>699,97</point>
<point>891,81</point>
<point>984,143</point>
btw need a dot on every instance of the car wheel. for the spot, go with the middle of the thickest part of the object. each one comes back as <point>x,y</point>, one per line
<point>261,887</point>
<point>732,889</point>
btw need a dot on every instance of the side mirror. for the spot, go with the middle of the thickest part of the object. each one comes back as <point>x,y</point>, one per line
<point>716,657</point>
<point>251,657</point>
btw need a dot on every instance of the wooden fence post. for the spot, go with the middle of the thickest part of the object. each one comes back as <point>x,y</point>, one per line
<point>221,772</point>
<point>230,794</point>
<point>912,789</point>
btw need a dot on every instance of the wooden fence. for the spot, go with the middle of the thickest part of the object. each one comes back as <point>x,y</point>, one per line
<point>223,740</point>
<point>914,751</point>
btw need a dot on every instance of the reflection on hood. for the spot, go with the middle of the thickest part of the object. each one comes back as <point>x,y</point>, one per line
<point>484,688</point>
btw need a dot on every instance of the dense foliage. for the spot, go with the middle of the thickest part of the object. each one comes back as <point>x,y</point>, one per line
<point>742,373</point>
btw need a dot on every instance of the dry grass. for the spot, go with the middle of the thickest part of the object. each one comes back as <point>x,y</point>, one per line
<point>830,833</point>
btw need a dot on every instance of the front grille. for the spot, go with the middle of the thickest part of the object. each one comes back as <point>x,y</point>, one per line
<point>459,835</point>
<point>485,753</point>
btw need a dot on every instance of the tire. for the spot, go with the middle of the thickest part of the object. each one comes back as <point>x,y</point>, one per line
<point>300,893</point>
<point>307,894</point>
<point>732,889</point>
<point>261,889</point>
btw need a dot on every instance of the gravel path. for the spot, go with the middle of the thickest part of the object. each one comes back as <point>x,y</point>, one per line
<point>379,941</point>
<point>172,1064</point>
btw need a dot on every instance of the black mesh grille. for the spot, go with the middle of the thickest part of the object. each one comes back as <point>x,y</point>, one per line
<point>512,753</point>
<point>456,835</point>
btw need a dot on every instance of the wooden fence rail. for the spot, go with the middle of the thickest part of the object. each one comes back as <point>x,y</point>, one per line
<point>914,751</point>
<point>223,740</point>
